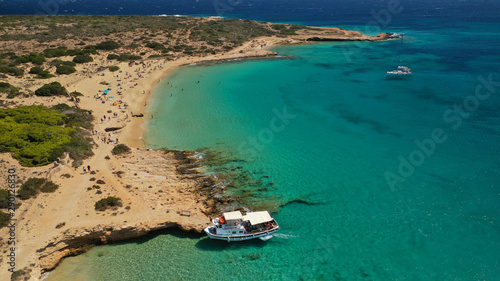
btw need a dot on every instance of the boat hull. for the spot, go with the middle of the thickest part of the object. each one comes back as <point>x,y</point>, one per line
<point>397,76</point>
<point>234,238</point>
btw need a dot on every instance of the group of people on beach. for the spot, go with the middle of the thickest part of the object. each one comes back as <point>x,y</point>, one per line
<point>85,170</point>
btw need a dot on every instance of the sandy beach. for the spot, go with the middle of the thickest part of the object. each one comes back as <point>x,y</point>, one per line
<point>154,194</point>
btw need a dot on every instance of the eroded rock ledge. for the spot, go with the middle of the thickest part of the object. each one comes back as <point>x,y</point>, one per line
<point>77,241</point>
<point>182,197</point>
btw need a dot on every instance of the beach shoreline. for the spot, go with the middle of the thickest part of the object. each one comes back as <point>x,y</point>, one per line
<point>40,249</point>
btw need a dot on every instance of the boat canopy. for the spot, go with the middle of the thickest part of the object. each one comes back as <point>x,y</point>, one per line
<point>236,215</point>
<point>257,217</point>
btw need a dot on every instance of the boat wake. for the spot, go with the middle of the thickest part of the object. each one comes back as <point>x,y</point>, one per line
<point>265,238</point>
<point>285,236</point>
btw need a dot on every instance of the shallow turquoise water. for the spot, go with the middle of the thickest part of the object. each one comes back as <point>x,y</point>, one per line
<point>345,128</point>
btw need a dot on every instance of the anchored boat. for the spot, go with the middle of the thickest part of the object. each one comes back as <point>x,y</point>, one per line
<point>401,71</point>
<point>234,226</point>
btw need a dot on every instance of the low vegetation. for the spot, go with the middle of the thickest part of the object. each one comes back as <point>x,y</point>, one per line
<point>176,36</point>
<point>82,58</point>
<point>11,91</point>
<point>4,199</point>
<point>52,89</point>
<point>38,135</point>
<point>108,45</point>
<point>108,202</point>
<point>65,69</point>
<point>120,149</point>
<point>123,57</point>
<point>4,219</point>
<point>33,186</point>
<point>40,72</point>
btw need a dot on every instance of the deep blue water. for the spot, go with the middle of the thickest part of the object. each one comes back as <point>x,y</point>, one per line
<point>344,149</point>
<point>316,12</point>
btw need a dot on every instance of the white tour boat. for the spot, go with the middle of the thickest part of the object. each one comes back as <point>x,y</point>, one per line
<point>234,226</point>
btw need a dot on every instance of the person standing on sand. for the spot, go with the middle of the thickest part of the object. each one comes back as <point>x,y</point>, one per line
<point>84,171</point>
<point>88,168</point>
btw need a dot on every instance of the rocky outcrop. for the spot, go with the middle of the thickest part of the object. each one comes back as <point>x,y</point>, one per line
<point>380,37</point>
<point>76,241</point>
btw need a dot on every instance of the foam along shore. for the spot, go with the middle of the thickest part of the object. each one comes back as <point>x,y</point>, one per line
<point>155,194</point>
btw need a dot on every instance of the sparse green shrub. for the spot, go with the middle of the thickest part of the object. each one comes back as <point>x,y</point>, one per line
<point>120,149</point>
<point>82,58</point>
<point>107,45</point>
<point>65,69</point>
<point>112,57</point>
<point>34,58</point>
<point>4,199</point>
<point>52,89</point>
<point>9,89</point>
<point>4,219</point>
<point>13,71</point>
<point>57,63</point>
<point>75,52</point>
<point>40,72</point>
<point>35,70</point>
<point>108,202</point>
<point>53,53</point>
<point>114,68</point>
<point>30,188</point>
<point>76,94</point>
<point>49,187</point>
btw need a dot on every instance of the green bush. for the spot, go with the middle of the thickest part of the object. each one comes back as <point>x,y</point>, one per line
<point>112,57</point>
<point>52,89</point>
<point>34,58</point>
<point>40,72</point>
<point>4,199</point>
<point>108,202</point>
<point>11,91</point>
<point>155,45</point>
<point>123,57</point>
<point>62,107</point>
<point>33,186</point>
<point>57,63</point>
<point>36,70</point>
<point>90,50</point>
<point>114,68</point>
<point>107,45</point>
<point>75,52</point>
<point>4,219</point>
<point>49,187</point>
<point>11,70</point>
<point>30,188</point>
<point>58,52</point>
<point>76,94</point>
<point>119,149</point>
<point>82,58</point>
<point>65,69</point>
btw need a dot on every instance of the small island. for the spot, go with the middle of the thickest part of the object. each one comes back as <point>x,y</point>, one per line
<point>73,93</point>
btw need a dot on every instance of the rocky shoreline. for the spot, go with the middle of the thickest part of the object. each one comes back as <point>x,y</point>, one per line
<point>75,241</point>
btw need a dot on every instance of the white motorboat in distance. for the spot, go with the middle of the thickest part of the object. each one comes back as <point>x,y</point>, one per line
<point>234,226</point>
<point>402,71</point>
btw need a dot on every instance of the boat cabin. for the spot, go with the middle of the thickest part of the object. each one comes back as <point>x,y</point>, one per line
<point>235,223</point>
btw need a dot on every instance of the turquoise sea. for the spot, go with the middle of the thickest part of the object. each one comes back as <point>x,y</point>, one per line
<point>384,179</point>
